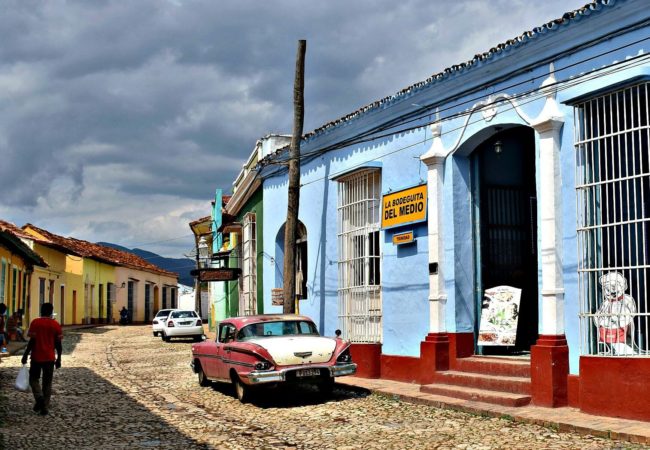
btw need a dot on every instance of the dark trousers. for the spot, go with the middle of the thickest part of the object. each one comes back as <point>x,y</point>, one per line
<point>43,393</point>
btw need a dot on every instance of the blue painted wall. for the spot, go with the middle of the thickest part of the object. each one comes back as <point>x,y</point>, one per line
<point>575,49</point>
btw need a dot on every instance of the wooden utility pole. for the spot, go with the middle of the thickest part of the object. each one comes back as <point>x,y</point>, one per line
<point>289,302</point>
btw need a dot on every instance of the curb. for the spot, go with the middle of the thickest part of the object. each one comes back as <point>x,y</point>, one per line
<point>636,432</point>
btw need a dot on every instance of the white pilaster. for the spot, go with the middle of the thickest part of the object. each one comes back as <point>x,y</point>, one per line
<point>435,160</point>
<point>549,126</point>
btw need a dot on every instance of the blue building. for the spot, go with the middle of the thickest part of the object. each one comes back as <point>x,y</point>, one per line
<point>526,166</point>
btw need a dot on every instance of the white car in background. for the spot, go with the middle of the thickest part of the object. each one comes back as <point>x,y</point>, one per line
<point>159,320</point>
<point>182,323</point>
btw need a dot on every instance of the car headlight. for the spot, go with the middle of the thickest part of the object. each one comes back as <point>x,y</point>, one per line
<point>263,365</point>
<point>344,357</point>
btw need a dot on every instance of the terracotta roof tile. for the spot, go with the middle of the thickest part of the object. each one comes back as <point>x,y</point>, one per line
<point>11,228</point>
<point>12,236</point>
<point>102,253</point>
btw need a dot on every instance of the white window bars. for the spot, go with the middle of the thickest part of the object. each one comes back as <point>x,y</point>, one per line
<point>359,254</point>
<point>248,293</point>
<point>613,212</point>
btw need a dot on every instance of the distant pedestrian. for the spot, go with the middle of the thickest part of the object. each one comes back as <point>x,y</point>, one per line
<point>124,316</point>
<point>45,336</point>
<point>14,326</point>
<point>3,331</point>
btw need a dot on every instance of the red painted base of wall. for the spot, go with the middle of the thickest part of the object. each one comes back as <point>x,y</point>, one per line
<point>573,384</point>
<point>549,371</point>
<point>616,387</point>
<point>368,359</point>
<point>461,345</point>
<point>401,368</point>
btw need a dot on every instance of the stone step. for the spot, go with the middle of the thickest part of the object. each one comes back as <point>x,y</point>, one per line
<point>477,395</point>
<point>502,383</point>
<point>494,365</point>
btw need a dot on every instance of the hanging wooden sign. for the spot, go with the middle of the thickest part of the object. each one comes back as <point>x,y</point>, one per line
<point>216,274</point>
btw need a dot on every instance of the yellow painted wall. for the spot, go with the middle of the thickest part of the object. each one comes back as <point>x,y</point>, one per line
<point>52,277</point>
<point>96,279</point>
<point>14,295</point>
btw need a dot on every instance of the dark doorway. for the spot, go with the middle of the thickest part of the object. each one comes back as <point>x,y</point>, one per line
<point>506,227</point>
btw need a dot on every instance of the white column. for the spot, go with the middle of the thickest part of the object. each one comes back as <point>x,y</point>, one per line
<point>549,126</point>
<point>435,160</point>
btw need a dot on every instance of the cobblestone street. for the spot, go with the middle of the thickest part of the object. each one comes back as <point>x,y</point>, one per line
<point>120,387</point>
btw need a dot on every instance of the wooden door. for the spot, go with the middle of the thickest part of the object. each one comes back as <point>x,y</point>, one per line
<point>62,309</point>
<point>74,307</point>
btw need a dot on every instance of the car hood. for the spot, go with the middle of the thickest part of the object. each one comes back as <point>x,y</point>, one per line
<point>292,350</point>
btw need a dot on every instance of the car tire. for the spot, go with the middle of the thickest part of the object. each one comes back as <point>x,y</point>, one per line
<point>327,386</point>
<point>198,338</point>
<point>203,380</point>
<point>155,334</point>
<point>242,392</point>
<point>165,337</point>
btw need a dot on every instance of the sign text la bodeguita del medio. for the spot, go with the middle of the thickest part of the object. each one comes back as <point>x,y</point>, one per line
<point>405,206</point>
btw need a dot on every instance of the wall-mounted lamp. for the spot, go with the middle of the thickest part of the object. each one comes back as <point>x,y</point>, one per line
<point>203,251</point>
<point>498,147</point>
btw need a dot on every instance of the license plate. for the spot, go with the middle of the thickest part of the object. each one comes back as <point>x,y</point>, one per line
<point>308,373</point>
<point>186,323</point>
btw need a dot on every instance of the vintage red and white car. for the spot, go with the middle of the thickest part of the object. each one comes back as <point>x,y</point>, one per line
<point>267,350</point>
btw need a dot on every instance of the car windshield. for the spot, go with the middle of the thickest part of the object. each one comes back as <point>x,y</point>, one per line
<point>279,328</point>
<point>183,314</point>
<point>163,312</point>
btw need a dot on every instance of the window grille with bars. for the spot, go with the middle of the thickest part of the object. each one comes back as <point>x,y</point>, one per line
<point>613,215</point>
<point>359,289</point>
<point>248,291</point>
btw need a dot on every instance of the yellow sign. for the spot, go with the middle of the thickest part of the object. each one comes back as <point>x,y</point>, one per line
<point>405,206</point>
<point>403,238</point>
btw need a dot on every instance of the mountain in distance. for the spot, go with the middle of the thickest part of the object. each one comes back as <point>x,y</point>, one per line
<point>181,266</point>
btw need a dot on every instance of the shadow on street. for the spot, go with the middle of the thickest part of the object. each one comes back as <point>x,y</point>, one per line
<point>87,411</point>
<point>295,395</point>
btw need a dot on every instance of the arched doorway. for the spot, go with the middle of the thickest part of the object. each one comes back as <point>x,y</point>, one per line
<point>505,228</point>
<point>301,259</point>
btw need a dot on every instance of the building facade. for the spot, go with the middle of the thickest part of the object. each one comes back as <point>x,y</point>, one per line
<point>17,265</point>
<point>498,208</point>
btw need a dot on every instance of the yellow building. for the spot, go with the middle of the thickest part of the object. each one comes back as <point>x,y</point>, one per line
<point>99,280</point>
<point>78,281</point>
<point>17,263</point>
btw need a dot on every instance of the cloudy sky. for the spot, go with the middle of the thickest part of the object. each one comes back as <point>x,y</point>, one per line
<point>118,119</point>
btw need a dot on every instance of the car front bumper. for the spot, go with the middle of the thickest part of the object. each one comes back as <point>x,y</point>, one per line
<point>277,376</point>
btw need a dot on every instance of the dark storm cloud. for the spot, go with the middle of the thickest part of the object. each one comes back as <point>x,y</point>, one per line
<point>117,101</point>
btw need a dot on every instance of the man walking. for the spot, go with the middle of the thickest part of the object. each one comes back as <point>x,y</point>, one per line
<point>45,336</point>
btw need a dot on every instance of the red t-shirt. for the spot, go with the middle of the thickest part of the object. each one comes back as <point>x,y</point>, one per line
<point>45,332</point>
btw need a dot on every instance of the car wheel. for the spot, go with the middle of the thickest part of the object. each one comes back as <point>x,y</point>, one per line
<point>155,334</point>
<point>165,337</point>
<point>242,391</point>
<point>203,380</point>
<point>327,386</point>
<point>198,338</point>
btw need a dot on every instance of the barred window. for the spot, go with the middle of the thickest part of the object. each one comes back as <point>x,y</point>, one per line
<point>359,289</point>
<point>613,213</point>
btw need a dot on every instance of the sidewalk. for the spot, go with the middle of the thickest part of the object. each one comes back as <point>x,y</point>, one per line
<point>561,419</point>
<point>14,347</point>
